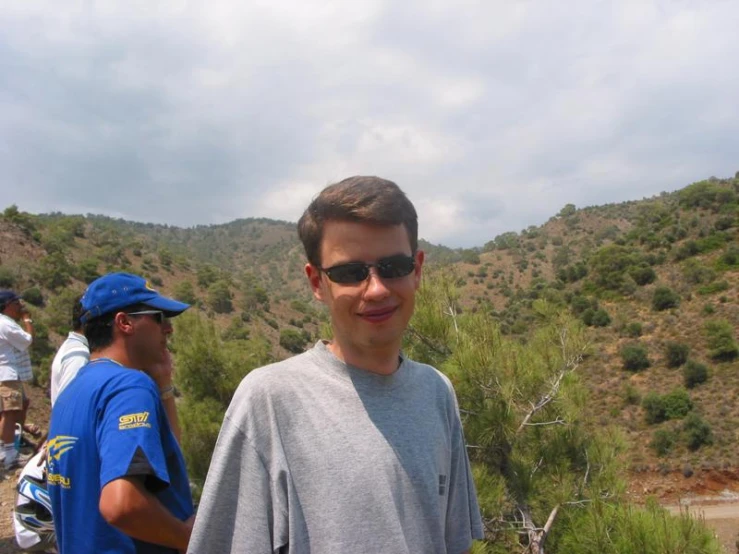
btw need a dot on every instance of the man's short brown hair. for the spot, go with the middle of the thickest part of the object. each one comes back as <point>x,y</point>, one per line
<point>358,199</point>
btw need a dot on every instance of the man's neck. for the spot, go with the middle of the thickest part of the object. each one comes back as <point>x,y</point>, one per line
<point>115,353</point>
<point>378,361</point>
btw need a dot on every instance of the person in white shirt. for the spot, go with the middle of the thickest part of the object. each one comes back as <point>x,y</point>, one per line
<point>72,356</point>
<point>15,368</point>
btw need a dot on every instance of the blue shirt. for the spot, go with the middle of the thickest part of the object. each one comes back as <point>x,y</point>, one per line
<point>107,424</point>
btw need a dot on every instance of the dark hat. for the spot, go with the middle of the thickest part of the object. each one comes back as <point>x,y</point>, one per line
<point>6,297</point>
<point>115,291</point>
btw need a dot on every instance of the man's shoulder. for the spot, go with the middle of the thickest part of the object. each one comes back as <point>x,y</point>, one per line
<point>277,374</point>
<point>428,373</point>
<point>113,377</point>
<point>8,323</point>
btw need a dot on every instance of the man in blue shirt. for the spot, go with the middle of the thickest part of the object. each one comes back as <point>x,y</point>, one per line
<point>116,477</point>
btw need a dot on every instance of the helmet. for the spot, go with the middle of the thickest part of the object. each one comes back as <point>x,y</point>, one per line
<point>34,512</point>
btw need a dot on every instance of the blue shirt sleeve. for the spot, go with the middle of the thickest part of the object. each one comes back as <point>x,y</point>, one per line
<point>129,438</point>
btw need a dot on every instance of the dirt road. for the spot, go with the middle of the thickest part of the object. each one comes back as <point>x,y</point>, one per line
<point>722,517</point>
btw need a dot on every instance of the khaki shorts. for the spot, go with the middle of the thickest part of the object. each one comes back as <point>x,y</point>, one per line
<point>12,396</point>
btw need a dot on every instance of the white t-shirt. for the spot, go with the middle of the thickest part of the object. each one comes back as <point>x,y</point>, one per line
<point>15,360</point>
<point>72,356</point>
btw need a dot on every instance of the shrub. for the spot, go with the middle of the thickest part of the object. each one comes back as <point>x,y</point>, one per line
<point>185,292</point>
<point>87,270</point>
<point>33,296</point>
<point>7,278</point>
<point>677,404</point>
<point>712,288</point>
<point>633,329</point>
<point>600,318</point>
<point>662,441</point>
<point>697,273</point>
<point>292,340</point>
<point>631,395</point>
<point>654,408</point>
<point>643,275</point>
<point>721,342</point>
<point>694,374</point>
<point>665,298</point>
<point>580,304</point>
<point>219,297</point>
<point>676,354</point>
<point>634,357</point>
<point>697,432</point>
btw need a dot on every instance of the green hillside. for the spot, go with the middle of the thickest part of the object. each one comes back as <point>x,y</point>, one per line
<point>655,282</point>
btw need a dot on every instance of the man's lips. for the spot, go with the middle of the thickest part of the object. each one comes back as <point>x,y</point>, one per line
<point>378,315</point>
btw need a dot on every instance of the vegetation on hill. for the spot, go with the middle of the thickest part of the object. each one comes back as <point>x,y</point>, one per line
<point>649,286</point>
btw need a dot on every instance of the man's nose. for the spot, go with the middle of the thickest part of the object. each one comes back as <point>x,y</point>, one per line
<point>376,287</point>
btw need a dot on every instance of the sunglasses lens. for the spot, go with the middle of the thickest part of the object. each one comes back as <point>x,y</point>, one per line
<point>395,266</point>
<point>348,273</point>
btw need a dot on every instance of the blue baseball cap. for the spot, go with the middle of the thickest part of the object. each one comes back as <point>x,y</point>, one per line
<point>115,291</point>
<point>7,296</point>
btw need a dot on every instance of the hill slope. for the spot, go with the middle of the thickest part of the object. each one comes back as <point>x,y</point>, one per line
<point>657,277</point>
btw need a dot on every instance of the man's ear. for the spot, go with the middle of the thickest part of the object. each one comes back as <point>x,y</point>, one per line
<point>122,322</point>
<point>314,278</point>
<point>420,257</point>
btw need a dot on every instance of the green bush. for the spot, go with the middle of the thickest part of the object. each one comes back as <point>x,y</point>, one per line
<point>219,297</point>
<point>694,374</point>
<point>7,278</point>
<point>677,404</point>
<point>696,272</point>
<point>634,357</point>
<point>615,528</point>
<point>654,408</point>
<point>87,270</point>
<point>676,354</point>
<point>33,296</point>
<point>697,432</point>
<point>633,329</point>
<point>730,258</point>
<point>580,303</point>
<point>662,441</point>
<point>721,341</point>
<point>713,288</point>
<point>185,292</point>
<point>601,318</point>
<point>643,275</point>
<point>665,298</point>
<point>292,340</point>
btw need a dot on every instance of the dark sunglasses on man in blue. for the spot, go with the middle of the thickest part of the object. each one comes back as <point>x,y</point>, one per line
<point>391,267</point>
<point>157,315</point>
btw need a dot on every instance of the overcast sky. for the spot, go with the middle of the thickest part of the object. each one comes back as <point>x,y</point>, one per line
<point>491,115</point>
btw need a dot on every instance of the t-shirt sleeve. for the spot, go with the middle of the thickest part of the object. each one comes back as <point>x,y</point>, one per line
<point>463,522</point>
<point>70,367</point>
<point>17,337</point>
<point>129,438</point>
<point>242,508</point>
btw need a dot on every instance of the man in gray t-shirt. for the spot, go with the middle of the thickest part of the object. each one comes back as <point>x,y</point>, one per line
<point>349,447</point>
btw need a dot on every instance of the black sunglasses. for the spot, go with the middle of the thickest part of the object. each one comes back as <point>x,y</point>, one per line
<point>391,267</point>
<point>157,315</point>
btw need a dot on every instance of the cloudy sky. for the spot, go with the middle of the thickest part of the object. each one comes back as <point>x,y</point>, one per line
<point>491,115</point>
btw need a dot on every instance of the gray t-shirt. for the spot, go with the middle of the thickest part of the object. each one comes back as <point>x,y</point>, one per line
<point>316,456</point>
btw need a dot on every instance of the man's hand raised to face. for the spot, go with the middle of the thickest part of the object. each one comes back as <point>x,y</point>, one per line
<point>162,372</point>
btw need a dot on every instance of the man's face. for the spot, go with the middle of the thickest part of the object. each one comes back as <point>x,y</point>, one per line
<point>14,309</point>
<point>151,332</point>
<point>370,316</point>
